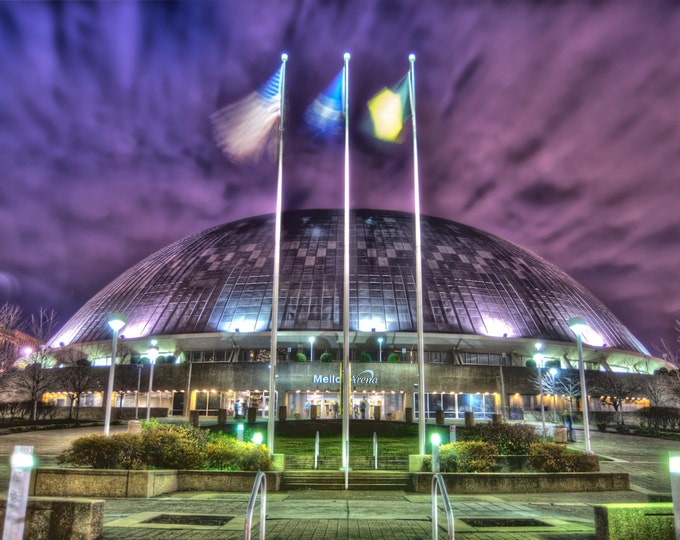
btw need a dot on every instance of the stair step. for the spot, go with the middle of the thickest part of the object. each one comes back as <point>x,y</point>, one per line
<point>357,463</point>
<point>378,480</point>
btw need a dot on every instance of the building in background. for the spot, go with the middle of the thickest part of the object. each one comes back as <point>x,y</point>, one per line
<point>206,300</point>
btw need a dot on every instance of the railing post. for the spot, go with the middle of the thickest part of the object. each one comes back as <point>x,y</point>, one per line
<point>438,484</point>
<point>261,485</point>
<point>375,450</point>
<point>316,451</point>
<point>347,467</point>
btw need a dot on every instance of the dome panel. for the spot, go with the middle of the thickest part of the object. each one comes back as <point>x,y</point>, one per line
<point>220,280</point>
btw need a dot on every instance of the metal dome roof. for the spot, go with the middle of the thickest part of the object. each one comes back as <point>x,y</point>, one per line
<point>220,280</point>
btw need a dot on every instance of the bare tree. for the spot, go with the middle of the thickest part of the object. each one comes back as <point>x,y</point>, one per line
<point>542,381</point>
<point>11,337</point>
<point>615,389</point>
<point>35,379</point>
<point>669,353</point>
<point>76,376</point>
<point>568,385</point>
<point>662,389</point>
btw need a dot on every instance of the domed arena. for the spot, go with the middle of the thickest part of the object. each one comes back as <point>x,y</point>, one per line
<point>206,301</point>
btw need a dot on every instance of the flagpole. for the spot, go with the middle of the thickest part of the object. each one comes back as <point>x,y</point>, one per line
<point>346,380</point>
<point>419,264</point>
<point>277,257</point>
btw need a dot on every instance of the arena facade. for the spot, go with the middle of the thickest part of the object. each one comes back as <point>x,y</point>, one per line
<point>206,301</point>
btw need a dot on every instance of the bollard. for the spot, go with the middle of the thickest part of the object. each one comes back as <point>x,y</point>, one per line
<point>17,495</point>
<point>435,439</point>
<point>674,469</point>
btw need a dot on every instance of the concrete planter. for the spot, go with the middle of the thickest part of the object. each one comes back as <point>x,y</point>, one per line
<point>56,482</point>
<point>105,483</point>
<point>66,519</point>
<point>482,483</point>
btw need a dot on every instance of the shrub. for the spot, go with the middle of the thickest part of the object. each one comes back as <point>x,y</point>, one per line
<point>510,439</point>
<point>300,357</point>
<point>469,456</point>
<point>173,447</point>
<point>659,417</point>
<point>364,358</point>
<point>393,358</point>
<point>162,446</point>
<point>326,357</point>
<point>551,457</point>
<point>119,451</point>
<point>228,454</point>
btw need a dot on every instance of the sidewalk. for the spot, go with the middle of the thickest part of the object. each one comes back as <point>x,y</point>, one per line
<point>392,515</point>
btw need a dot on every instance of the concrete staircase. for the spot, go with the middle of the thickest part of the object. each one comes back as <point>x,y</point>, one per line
<point>356,463</point>
<point>358,480</point>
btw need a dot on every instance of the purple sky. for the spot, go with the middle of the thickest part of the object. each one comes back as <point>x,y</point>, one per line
<point>553,125</point>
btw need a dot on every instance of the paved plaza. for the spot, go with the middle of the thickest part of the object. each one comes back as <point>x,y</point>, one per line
<point>392,515</point>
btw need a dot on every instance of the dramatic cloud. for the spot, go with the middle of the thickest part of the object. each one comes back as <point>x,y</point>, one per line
<point>553,125</point>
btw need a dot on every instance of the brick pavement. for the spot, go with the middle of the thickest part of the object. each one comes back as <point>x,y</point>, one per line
<point>381,515</point>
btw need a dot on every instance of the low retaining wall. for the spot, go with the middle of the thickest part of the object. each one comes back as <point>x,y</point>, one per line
<point>56,482</point>
<point>226,481</point>
<point>67,482</point>
<point>481,483</point>
<point>635,521</point>
<point>66,519</point>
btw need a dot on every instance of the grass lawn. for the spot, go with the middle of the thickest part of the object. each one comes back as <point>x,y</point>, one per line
<point>330,445</point>
<point>298,437</point>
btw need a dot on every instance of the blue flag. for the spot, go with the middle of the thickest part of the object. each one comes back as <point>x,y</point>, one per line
<point>325,115</point>
<point>245,130</point>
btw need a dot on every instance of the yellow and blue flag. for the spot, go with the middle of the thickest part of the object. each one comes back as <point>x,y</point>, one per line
<point>245,130</point>
<point>326,114</point>
<point>387,112</point>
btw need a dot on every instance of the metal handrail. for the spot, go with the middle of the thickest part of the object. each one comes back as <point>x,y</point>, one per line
<point>260,484</point>
<point>439,484</point>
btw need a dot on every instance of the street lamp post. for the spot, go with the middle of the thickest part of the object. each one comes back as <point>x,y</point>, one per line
<point>578,325</point>
<point>538,358</point>
<point>553,373</point>
<point>139,382</point>
<point>380,342</point>
<point>311,349</point>
<point>116,322</point>
<point>152,354</point>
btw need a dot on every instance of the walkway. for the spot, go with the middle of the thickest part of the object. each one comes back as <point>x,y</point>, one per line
<point>392,515</point>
